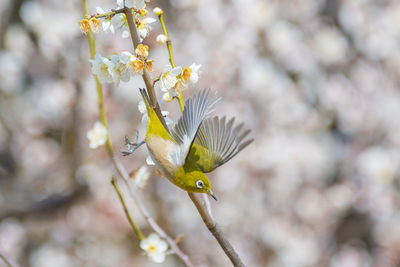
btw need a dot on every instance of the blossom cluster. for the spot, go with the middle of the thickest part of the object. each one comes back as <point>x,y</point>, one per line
<point>114,69</point>
<point>118,20</point>
<point>175,80</point>
<point>121,67</point>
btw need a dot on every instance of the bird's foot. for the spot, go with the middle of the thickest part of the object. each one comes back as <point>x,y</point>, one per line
<point>131,146</point>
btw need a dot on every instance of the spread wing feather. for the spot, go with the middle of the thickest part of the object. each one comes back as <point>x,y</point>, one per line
<point>217,141</point>
<point>184,132</point>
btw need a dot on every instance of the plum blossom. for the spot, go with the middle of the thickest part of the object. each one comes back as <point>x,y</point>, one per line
<point>118,21</point>
<point>120,67</point>
<point>97,135</point>
<point>143,27</point>
<point>100,68</point>
<point>117,68</point>
<point>194,74</point>
<point>141,176</point>
<point>145,117</point>
<point>138,4</point>
<point>174,80</point>
<point>168,81</point>
<point>106,24</point>
<point>154,247</point>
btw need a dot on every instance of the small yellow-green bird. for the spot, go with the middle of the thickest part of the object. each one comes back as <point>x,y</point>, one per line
<point>196,145</point>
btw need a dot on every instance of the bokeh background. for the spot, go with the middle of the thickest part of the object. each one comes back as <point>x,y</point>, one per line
<point>317,81</point>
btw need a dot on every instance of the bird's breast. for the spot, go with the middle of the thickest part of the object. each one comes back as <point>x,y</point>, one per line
<point>166,155</point>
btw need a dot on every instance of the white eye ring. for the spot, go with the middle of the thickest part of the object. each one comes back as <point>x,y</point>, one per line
<point>199,184</point>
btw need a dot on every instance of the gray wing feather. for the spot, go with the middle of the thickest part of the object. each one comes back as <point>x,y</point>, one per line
<point>196,108</point>
<point>221,140</point>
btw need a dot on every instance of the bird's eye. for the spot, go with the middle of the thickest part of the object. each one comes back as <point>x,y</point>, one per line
<point>199,184</point>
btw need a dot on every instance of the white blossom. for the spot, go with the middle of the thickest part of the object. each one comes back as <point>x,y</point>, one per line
<point>120,68</point>
<point>169,78</point>
<point>145,118</point>
<point>118,21</point>
<point>106,24</point>
<point>167,119</point>
<point>97,135</point>
<point>100,68</point>
<point>141,176</point>
<point>154,247</point>
<point>117,68</point>
<point>144,28</point>
<point>150,161</point>
<point>138,4</point>
<point>194,76</point>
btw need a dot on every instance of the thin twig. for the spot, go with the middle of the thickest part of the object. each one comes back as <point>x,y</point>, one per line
<point>6,261</point>
<point>128,215</point>
<point>108,14</point>
<point>168,43</point>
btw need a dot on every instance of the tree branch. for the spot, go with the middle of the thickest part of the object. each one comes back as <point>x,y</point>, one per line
<point>146,77</point>
<point>6,261</point>
<point>212,226</point>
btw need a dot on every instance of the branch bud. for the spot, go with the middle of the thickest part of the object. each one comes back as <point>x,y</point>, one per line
<point>158,11</point>
<point>161,39</point>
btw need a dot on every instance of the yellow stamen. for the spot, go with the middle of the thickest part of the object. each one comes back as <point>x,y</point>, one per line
<point>137,66</point>
<point>84,25</point>
<point>142,50</point>
<point>96,23</point>
<point>149,65</point>
<point>186,74</point>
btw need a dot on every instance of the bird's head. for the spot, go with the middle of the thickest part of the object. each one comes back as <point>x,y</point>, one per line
<point>198,182</point>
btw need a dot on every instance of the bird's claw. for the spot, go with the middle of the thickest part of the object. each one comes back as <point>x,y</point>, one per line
<point>131,146</point>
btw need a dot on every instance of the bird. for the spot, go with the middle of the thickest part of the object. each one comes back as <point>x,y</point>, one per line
<point>196,145</point>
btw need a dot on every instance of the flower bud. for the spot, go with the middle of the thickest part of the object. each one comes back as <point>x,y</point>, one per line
<point>143,12</point>
<point>161,39</point>
<point>158,11</point>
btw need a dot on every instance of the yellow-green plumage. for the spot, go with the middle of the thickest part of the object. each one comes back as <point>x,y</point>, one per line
<point>196,145</point>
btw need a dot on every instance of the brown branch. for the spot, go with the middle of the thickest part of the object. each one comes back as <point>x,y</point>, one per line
<point>212,226</point>
<point>6,261</point>
<point>108,14</point>
<point>146,77</point>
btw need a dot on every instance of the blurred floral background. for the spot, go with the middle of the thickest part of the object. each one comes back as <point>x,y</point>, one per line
<point>317,81</point>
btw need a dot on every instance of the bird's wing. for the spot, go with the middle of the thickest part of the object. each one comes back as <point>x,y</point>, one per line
<point>184,132</point>
<point>216,142</point>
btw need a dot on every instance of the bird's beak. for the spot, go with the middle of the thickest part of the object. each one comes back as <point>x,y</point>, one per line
<point>212,194</point>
